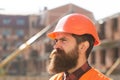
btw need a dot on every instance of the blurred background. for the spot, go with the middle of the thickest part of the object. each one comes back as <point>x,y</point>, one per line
<point>24,46</point>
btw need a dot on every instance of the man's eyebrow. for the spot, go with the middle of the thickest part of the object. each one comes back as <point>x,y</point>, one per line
<point>62,38</point>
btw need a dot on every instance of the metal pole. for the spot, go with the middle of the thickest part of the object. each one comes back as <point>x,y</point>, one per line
<point>113,67</point>
<point>23,47</point>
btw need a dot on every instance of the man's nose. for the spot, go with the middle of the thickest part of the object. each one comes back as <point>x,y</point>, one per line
<point>57,45</point>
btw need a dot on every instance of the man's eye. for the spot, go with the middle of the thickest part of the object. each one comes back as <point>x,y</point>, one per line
<point>63,39</point>
<point>55,40</point>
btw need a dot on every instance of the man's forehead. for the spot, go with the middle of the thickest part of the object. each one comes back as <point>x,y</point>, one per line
<point>62,34</point>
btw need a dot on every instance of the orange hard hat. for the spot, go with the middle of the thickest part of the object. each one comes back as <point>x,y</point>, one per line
<point>76,24</point>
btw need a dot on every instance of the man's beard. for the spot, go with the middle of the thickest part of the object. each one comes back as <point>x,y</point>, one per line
<point>61,61</point>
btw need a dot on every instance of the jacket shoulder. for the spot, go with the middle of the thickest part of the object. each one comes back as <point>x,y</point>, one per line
<point>94,74</point>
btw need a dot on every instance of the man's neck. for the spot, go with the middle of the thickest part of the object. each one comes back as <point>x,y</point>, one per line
<point>81,61</point>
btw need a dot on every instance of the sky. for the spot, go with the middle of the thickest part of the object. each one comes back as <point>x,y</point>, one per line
<point>99,8</point>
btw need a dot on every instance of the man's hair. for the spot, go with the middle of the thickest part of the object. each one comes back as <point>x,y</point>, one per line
<point>85,37</point>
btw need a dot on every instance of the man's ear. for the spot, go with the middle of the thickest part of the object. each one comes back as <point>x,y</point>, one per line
<point>84,46</point>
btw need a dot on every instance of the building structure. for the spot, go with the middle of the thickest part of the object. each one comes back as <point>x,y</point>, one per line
<point>105,55</point>
<point>16,29</point>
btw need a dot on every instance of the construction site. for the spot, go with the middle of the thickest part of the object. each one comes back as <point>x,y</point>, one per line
<point>25,48</point>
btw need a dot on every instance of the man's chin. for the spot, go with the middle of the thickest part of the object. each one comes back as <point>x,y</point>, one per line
<point>54,72</point>
<point>53,69</point>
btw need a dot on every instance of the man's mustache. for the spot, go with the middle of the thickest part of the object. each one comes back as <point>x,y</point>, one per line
<point>56,51</point>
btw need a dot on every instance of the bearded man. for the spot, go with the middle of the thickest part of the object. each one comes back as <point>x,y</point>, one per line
<point>75,35</point>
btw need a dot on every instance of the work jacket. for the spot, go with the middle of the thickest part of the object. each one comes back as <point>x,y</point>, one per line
<point>92,74</point>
